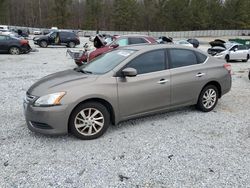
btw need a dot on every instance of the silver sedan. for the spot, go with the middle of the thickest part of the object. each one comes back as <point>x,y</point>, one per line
<point>125,83</point>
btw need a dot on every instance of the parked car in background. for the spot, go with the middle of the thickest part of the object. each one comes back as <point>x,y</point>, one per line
<point>194,42</point>
<point>234,51</point>
<point>21,33</point>
<point>164,40</point>
<point>184,43</point>
<point>125,83</point>
<point>4,27</point>
<point>65,38</point>
<point>102,46</point>
<point>37,32</point>
<point>13,45</point>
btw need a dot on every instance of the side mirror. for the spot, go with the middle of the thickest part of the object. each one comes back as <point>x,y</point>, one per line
<point>114,45</point>
<point>235,49</point>
<point>129,72</point>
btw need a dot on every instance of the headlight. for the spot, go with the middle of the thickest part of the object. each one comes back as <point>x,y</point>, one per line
<point>50,100</point>
<point>220,54</point>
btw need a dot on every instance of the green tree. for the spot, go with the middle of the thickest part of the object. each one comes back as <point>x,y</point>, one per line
<point>125,15</point>
<point>61,12</point>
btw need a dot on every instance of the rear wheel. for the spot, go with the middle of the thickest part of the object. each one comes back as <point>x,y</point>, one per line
<point>71,45</point>
<point>227,58</point>
<point>208,98</point>
<point>89,120</point>
<point>14,51</point>
<point>43,44</point>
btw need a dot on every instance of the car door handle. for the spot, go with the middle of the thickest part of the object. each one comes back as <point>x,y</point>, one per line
<point>162,81</point>
<point>200,74</point>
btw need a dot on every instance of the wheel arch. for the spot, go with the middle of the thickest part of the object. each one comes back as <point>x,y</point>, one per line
<point>101,101</point>
<point>216,84</point>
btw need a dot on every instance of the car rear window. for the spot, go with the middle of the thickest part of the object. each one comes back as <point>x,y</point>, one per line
<point>182,57</point>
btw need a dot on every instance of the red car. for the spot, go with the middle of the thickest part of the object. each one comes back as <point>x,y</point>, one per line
<point>102,47</point>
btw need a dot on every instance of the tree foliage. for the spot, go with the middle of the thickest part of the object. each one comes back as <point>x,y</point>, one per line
<point>140,15</point>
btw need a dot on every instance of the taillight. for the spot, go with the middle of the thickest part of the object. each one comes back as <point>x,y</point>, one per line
<point>24,42</point>
<point>228,67</point>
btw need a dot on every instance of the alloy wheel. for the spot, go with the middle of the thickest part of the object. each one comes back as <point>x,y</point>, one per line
<point>89,121</point>
<point>209,98</point>
<point>14,51</point>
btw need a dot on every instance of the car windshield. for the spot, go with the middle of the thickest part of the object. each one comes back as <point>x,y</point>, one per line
<point>50,33</point>
<point>106,62</point>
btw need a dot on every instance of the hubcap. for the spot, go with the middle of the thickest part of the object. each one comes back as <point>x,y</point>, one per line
<point>89,121</point>
<point>14,51</point>
<point>71,45</point>
<point>209,98</point>
<point>43,44</point>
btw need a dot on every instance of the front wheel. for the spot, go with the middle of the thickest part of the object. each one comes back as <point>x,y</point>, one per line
<point>245,60</point>
<point>14,51</point>
<point>208,98</point>
<point>89,120</point>
<point>71,45</point>
<point>227,58</point>
<point>43,44</point>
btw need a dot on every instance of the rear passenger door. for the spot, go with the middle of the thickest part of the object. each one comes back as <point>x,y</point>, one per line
<point>188,75</point>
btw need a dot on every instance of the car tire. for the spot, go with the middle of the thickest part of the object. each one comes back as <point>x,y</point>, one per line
<point>208,98</point>
<point>14,51</point>
<point>89,120</point>
<point>71,45</point>
<point>246,60</point>
<point>227,58</point>
<point>43,44</point>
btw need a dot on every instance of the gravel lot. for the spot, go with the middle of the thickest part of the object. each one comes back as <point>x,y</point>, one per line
<point>183,148</point>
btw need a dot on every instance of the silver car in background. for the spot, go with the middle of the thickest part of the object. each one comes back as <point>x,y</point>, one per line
<point>125,83</point>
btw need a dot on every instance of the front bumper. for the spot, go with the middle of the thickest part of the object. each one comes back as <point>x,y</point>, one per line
<point>46,120</point>
<point>222,56</point>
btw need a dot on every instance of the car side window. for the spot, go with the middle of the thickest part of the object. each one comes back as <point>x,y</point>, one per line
<point>242,47</point>
<point>2,38</point>
<point>182,58</point>
<point>122,42</point>
<point>149,62</point>
<point>135,40</point>
<point>201,58</point>
<point>234,48</point>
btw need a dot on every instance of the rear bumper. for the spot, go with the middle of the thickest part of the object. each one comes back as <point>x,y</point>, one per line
<point>227,85</point>
<point>25,49</point>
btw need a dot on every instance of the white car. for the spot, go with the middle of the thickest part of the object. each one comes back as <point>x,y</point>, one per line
<point>37,32</point>
<point>234,52</point>
<point>184,43</point>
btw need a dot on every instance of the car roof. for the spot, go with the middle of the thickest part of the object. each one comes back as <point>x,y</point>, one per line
<point>155,46</point>
<point>149,47</point>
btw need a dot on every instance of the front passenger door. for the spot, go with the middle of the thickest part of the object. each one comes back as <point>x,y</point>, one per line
<point>149,90</point>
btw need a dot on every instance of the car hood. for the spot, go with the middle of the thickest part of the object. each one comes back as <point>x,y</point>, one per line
<point>59,81</point>
<point>218,42</point>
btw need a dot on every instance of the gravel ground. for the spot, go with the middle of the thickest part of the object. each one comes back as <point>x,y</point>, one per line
<point>183,148</point>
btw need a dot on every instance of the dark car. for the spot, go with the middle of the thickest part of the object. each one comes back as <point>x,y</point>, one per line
<point>62,38</point>
<point>13,45</point>
<point>102,46</point>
